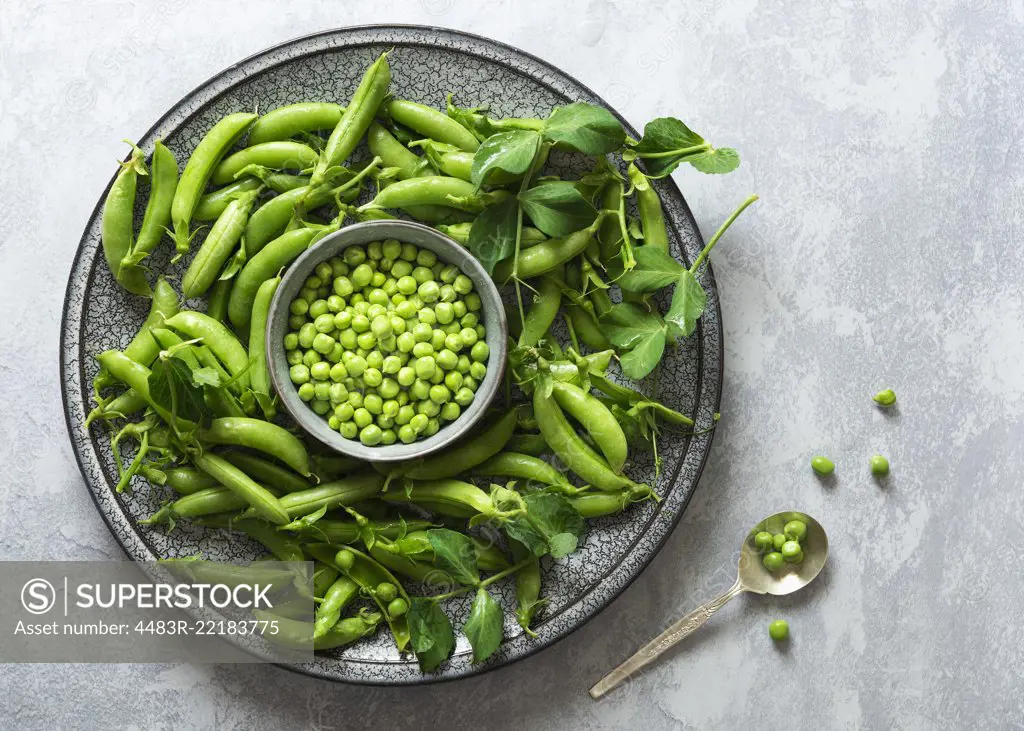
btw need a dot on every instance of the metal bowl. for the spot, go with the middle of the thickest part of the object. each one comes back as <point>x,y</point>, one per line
<point>448,251</point>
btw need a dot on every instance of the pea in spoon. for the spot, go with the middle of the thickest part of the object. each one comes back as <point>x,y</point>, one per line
<point>752,577</point>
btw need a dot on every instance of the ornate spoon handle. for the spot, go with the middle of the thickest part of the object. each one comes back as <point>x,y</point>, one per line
<point>674,634</point>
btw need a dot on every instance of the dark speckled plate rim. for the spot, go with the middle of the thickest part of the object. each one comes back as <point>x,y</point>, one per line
<point>668,183</point>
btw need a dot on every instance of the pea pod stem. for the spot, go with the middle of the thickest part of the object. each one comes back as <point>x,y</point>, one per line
<point>486,582</point>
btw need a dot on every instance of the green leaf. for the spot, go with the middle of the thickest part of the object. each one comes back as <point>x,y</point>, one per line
<point>587,128</point>
<point>557,208</point>
<point>455,554</point>
<point>644,356</point>
<point>562,544</point>
<point>171,386</point>
<point>431,633</point>
<point>688,303</point>
<point>717,161</point>
<point>485,626</point>
<point>627,323</point>
<point>206,376</point>
<point>655,268</point>
<point>511,152</point>
<point>551,525</point>
<point>666,133</point>
<point>493,235</point>
<point>519,529</point>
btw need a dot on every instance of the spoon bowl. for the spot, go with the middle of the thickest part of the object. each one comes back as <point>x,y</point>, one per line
<point>755,578</point>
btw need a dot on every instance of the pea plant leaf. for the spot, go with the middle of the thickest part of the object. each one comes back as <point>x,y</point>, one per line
<point>630,327</point>
<point>431,633</point>
<point>510,152</point>
<point>206,376</point>
<point>493,235</point>
<point>171,386</point>
<point>688,303</point>
<point>667,142</point>
<point>550,525</point>
<point>655,268</point>
<point>455,554</point>
<point>586,128</point>
<point>557,208</point>
<point>485,626</point>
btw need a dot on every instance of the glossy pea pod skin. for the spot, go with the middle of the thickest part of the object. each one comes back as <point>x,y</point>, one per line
<point>521,467</point>
<point>187,480</point>
<point>338,596</point>
<point>408,567</point>
<point>347,491</point>
<point>216,336</point>
<point>464,455</point>
<point>277,155</point>
<point>609,233</point>
<point>599,504</point>
<point>276,255</point>
<point>595,417</point>
<point>393,153</point>
<point>217,302</point>
<point>368,574</point>
<point>547,255</point>
<point>571,448</point>
<point>344,532</point>
<point>455,498</point>
<point>416,544</point>
<point>116,232</point>
<point>199,168</point>
<point>163,181</point>
<point>356,119</point>
<point>135,376</point>
<point>533,445</point>
<point>586,328</point>
<point>543,310</point>
<point>259,373</point>
<point>207,501</point>
<point>459,232</point>
<point>271,219</point>
<point>212,204</point>
<point>262,501</point>
<point>431,123</point>
<point>260,435</point>
<point>434,190</point>
<point>293,119</point>
<point>221,241</point>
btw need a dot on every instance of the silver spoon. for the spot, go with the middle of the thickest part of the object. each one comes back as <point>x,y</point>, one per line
<point>753,577</point>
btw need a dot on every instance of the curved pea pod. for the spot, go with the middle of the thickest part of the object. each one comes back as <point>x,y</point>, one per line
<point>430,122</point>
<point>217,303</point>
<point>281,547</point>
<point>260,435</point>
<point>215,335</point>
<point>543,310</point>
<point>586,328</point>
<point>531,444</point>
<point>222,239</point>
<point>276,255</point>
<point>459,232</point>
<point>368,574</point>
<point>408,567</point>
<point>570,447</point>
<point>268,473</point>
<point>464,455</point>
<point>276,155</point>
<point>356,119</point>
<point>262,501</point>
<point>271,219</point>
<point>435,190</point>
<point>163,181</point>
<point>232,575</point>
<point>595,417</point>
<point>547,255</point>
<point>208,501</point>
<point>212,204</point>
<point>259,374</point>
<point>187,480</point>
<point>116,233</point>
<point>338,596</point>
<point>627,398</point>
<point>445,497</point>
<point>521,467</point>
<point>598,504</point>
<point>199,168</point>
<point>293,119</point>
<point>349,491</point>
<point>652,217</point>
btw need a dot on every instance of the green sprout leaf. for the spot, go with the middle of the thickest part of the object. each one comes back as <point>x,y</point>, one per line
<point>557,208</point>
<point>484,628</point>
<point>455,554</point>
<point>510,152</point>
<point>493,235</point>
<point>688,303</point>
<point>655,268</point>
<point>431,633</point>
<point>584,127</point>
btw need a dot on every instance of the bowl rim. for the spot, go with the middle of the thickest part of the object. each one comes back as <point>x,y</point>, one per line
<point>446,249</point>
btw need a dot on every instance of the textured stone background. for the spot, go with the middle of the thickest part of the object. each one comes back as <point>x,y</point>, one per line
<point>885,141</point>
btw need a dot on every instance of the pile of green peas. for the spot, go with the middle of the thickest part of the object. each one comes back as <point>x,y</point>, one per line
<point>782,548</point>
<point>386,342</point>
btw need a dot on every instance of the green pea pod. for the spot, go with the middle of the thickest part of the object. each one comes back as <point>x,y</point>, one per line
<point>349,491</point>
<point>298,635</point>
<point>586,328</point>
<point>135,376</point>
<point>460,233</point>
<point>121,406</point>
<point>595,417</point>
<point>599,504</point>
<point>271,219</point>
<point>394,154</point>
<point>276,255</point>
<point>268,473</point>
<point>445,497</point>
<point>116,223</point>
<point>262,436</point>
<point>609,234</point>
<point>323,577</point>
<point>435,190</point>
<point>263,502</point>
<point>217,338</point>
<point>338,596</point>
<point>521,467</point>
<point>356,119</point>
<point>208,501</point>
<point>332,466</point>
<point>187,480</point>
<point>213,204</point>
<point>232,575</point>
<point>570,447</point>
<point>547,255</point>
<point>652,217</point>
<point>543,310</point>
<point>410,568</point>
<point>429,122</point>
<point>281,547</point>
<point>163,182</point>
<point>369,574</point>
<point>465,454</point>
<point>293,119</point>
<point>528,580</point>
<point>533,445</point>
<point>259,374</point>
<point>224,236</point>
<point>277,155</point>
<point>199,168</point>
<point>220,400</point>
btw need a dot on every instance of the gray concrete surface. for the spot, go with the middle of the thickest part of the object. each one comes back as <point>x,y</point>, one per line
<point>885,140</point>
